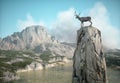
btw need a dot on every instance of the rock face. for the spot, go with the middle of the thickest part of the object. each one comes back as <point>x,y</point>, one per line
<point>89,64</point>
<point>28,38</point>
<point>0,39</point>
<point>37,39</point>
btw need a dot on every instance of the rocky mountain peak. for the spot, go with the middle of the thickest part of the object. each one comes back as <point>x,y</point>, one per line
<point>35,34</point>
<point>0,39</point>
<point>35,28</point>
<point>28,38</point>
<point>37,39</point>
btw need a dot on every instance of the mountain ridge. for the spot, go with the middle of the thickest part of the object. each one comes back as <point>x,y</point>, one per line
<point>30,36</point>
<point>37,39</point>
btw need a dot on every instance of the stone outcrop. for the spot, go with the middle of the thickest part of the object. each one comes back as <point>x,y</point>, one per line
<point>89,64</point>
<point>9,76</point>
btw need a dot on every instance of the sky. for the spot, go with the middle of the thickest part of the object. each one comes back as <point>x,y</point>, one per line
<point>58,17</point>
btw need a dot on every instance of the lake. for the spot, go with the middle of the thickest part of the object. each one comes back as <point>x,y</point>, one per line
<point>59,74</point>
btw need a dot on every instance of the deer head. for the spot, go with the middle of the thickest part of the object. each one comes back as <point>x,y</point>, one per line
<point>77,16</point>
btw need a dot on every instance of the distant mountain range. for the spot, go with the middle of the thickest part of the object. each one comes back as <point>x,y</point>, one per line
<point>37,39</point>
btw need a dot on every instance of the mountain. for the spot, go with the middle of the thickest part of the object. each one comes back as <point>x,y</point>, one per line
<point>0,39</point>
<point>29,37</point>
<point>29,50</point>
<point>70,44</point>
<point>113,58</point>
<point>37,39</point>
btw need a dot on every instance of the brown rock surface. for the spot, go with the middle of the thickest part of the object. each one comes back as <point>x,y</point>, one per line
<point>89,64</point>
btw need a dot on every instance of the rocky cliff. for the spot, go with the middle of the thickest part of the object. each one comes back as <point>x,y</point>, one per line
<point>37,39</point>
<point>28,38</point>
<point>88,62</point>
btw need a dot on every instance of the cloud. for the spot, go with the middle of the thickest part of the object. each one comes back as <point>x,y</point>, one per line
<point>65,26</point>
<point>22,24</point>
<point>101,20</point>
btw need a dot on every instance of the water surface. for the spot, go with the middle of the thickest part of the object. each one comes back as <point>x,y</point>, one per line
<point>60,74</point>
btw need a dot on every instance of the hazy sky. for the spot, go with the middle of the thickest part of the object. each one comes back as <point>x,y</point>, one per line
<point>58,17</point>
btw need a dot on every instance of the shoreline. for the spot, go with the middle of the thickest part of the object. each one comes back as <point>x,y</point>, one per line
<point>40,67</point>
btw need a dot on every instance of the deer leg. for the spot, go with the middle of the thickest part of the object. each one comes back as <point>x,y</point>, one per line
<point>82,24</point>
<point>90,22</point>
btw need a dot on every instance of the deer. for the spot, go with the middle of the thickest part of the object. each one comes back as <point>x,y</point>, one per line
<point>83,19</point>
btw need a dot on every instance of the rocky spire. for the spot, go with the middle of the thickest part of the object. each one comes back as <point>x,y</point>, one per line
<point>89,64</point>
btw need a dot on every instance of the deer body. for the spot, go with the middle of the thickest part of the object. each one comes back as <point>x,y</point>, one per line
<point>84,19</point>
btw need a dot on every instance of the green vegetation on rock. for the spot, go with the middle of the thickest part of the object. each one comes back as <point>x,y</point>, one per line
<point>45,56</point>
<point>12,60</point>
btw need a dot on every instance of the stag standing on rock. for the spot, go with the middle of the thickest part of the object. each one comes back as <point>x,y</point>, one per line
<point>83,19</point>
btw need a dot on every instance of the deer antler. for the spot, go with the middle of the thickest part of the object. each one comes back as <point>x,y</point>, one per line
<point>75,13</point>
